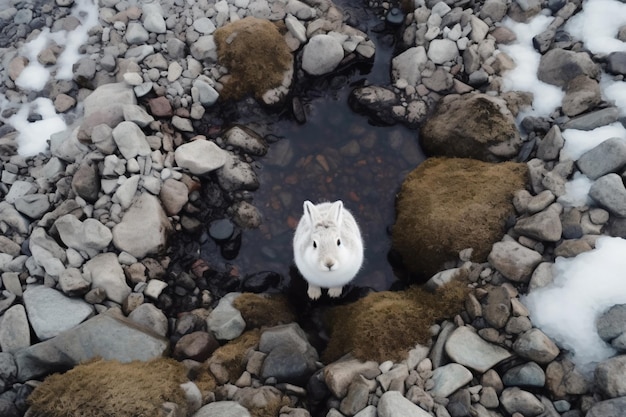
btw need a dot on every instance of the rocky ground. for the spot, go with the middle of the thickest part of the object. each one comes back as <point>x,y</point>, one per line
<point>86,226</point>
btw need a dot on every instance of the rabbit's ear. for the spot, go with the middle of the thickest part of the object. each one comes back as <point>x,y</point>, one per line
<point>336,212</point>
<point>310,211</point>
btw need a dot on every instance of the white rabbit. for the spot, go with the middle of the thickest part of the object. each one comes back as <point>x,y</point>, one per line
<point>327,247</point>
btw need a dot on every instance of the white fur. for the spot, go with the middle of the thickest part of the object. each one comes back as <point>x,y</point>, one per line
<point>322,262</point>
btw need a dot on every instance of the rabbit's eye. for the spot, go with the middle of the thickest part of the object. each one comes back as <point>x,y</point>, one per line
<point>314,245</point>
<point>338,242</point>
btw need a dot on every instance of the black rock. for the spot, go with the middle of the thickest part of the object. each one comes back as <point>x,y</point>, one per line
<point>230,249</point>
<point>261,281</point>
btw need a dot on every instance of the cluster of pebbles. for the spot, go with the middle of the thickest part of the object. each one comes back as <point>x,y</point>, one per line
<point>83,226</point>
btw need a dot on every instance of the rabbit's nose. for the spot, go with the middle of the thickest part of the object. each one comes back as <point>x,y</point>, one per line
<point>329,264</point>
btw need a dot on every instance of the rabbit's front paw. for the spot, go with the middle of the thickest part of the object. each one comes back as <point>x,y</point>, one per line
<point>314,292</point>
<point>334,292</point>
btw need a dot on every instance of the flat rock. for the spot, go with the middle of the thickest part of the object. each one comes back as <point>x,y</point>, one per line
<point>544,226</point>
<point>608,157</point>
<point>104,271</point>
<point>467,348</point>
<point>222,409</point>
<point>449,378</point>
<point>338,375</point>
<point>144,228</point>
<point>527,375</point>
<point>105,336</point>
<point>393,404</point>
<point>559,66</point>
<point>14,329</point>
<point>130,140</point>
<point>514,261</point>
<point>200,156</point>
<point>608,408</point>
<point>50,312</point>
<point>88,236</point>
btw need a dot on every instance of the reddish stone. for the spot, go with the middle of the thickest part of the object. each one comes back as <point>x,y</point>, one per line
<point>160,107</point>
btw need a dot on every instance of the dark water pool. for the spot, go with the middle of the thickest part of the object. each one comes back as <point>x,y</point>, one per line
<point>335,154</point>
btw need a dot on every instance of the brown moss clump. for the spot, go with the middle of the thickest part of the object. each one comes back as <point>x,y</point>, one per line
<point>449,204</point>
<point>232,356</point>
<point>109,388</point>
<point>264,310</point>
<point>255,54</point>
<point>386,325</point>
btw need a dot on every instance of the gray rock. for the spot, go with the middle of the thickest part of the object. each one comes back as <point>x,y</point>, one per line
<point>236,174</point>
<point>46,250</point>
<point>393,404</point>
<point>246,140</point>
<point>321,54</point>
<point>14,329</point>
<point>102,138</point>
<point>152,18</point>
<point>357,397</point>
<point>204,93</point>
<point>73,283</point>
<point>515,400</point>
<point>465,347</point>
<point>50,312</point>
<point>204,49</point>
<point>441,51</point>
<point>130,140</point>
<point>544,226</point>
<point>13,218</point>
<point>609,192</point>
<point>594,119</point>
<point>225,321</point>
<point>7,298</point>
<point>182,123</point>
<point>612,323</point>
<point>527,375</point>
<point>104,271</point>
<point>136,34</point>
<point>616,62</point>
<point>222,409</point>
<point>551,144</point>
<point>514,261</point>
<point>147,220</point>
<point>8,368</point>
<point>494,10</point>
<point>582,94</point>
<point>608,157</point>
<point>536,346</point>
<point>125,192</point>
<point>204,25</point>
<point>89,236</point>
<point>409,65</point>
<point>610,377</point>
<point>137,115</point>
<point>149,316</point>
<point>338,375</point>
<point>98,109</point>
<point>290,357</point>
<point>105,336</point>
<point>449,378</point>
<point>440,81</point>
<point>609,408</point>
<point>19,189</point>
<point>246,215</point>
<point>559,66</point>
<point>200,156</point>
<point>33,206</point>
<point>394,377</point>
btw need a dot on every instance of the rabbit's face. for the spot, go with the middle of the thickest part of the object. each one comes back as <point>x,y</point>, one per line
<point>327,248</point>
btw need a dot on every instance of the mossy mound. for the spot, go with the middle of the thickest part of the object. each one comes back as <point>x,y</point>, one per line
<point>256,55</point>
<point>109,388</point>
<point>264,310</point>
<point>449,204</point>
<point>386,325</point>
<point>471,126</point>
